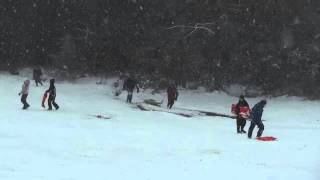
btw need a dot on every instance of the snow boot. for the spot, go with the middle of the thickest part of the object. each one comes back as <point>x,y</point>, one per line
<point>238,129</point>
<point>242,130</point>
<point>26,106</point>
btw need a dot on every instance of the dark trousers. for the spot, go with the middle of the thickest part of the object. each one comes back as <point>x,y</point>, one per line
<point>38,81</point>
<point>24,101</point>
<point>129,96</point>
<point>170,102</point>
<point>241,123</point>
<point>51,101</point>
<point>260,126</point>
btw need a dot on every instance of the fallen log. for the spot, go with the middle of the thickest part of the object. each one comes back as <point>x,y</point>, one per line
<point>206,113</point>
<point>143,108</point>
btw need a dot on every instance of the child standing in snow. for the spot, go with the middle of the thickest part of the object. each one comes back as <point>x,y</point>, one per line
<point>118,86</point>
<point>256,116</point>
<point>241,121</point>
<point>52,96</point>
<point>24,94</point>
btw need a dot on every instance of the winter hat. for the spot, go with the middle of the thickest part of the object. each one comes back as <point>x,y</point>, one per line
<point>52,81</point>
<point>27,82</point>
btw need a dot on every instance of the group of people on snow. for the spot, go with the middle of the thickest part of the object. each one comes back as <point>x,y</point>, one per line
<point>130,84</point>
<point>255,115</point>
<point>51,92</point>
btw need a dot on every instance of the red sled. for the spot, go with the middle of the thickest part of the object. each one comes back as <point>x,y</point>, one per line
<point>233,108</point>
<point>244,111</point>
<point>44,98</point>
<point>267,138</point>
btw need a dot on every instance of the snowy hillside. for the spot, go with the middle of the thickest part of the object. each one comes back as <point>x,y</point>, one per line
<point>71,144</point>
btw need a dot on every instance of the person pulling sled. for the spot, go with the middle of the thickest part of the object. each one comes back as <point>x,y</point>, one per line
<point>256,116</point>
<point>52,96</point>
<point>24,94</point>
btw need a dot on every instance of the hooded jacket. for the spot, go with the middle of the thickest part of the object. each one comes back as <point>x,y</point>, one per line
<point>52,88</point>
<point>257,111</point>
<point>241,103</point>
<point>37,73</point>
<point>172,92</point>
<point>130,84</point>
<point>25,87</point>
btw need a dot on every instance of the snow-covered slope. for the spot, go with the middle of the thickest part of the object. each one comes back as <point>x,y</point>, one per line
<point>71,144</point>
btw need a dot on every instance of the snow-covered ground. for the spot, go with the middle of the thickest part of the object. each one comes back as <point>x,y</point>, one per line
<point>70,144</point>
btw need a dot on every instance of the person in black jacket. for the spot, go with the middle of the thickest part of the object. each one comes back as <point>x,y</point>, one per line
<point>129,85</point>
<point>173,94</point>
<point>37,73</point>
<point>241,121</point>
<point>52,95</point>
<point>256,116</point>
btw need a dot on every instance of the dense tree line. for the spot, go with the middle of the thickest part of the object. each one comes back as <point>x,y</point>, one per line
<point>270,44</point>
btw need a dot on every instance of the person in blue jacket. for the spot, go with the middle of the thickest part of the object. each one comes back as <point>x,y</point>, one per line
<point>256,115</point>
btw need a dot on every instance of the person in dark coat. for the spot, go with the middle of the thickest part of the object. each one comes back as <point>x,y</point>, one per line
<point>173,94</point>
<point>37,73</point>
<point>24,94</point>
<point>241,121</point>
<point>256,116</point>
<point>52,96</point>
<point>129,85</point>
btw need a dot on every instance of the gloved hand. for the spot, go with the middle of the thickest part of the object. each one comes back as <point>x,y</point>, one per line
<point>19,94</point>
<point>43,106</point>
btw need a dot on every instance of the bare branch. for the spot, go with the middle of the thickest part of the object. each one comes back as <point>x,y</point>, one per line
<point>207,29</point>
<point>195,28</point>
<point>180,26</point>
<point>189,34</point>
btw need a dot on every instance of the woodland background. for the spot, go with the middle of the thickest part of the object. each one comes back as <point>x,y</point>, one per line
<point>271,45</point>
